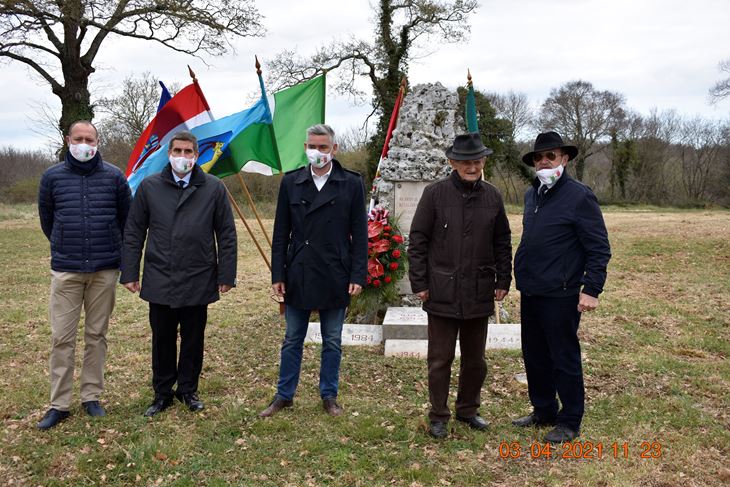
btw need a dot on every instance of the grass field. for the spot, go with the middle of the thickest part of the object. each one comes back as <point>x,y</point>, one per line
<point>655,357</point>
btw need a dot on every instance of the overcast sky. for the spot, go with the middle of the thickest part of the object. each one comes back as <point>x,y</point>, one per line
<point>657,53</point>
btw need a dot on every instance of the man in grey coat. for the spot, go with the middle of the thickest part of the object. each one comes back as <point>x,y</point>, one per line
<point>190,258</point>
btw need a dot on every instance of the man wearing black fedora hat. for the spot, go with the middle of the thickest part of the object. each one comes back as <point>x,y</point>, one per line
<point>460,261</point>
<point>560,269</point>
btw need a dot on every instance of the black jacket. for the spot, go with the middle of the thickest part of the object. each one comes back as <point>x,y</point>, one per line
<point>191,239</point>
<point>460,248</point>
<point>564,242</point>
<point>320,241</point>
<point>83,208</point>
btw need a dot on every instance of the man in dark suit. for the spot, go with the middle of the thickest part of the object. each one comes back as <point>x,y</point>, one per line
<point>318,260</point>
<point>190,258</point>
<point>460,262</point>
<point>560,269</point>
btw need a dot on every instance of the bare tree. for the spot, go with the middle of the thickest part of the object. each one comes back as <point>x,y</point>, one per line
<point>701,145</point>
<point>127,114</point>
<point>60,40</point>
<point>514,107</point>
<point>721,89</point>
<point>583,115</point>
<point>383,60</point>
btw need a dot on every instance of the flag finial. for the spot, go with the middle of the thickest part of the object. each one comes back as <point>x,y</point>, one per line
<point>192,73</point>
<point>403,83</point>
<point>258,65</point>
<point>468,77</point>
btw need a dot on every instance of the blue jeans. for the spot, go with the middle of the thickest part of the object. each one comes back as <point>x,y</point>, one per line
<point>297,321</point>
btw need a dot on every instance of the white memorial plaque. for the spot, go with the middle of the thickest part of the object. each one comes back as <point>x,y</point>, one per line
<point>406,348</point>
<point>405,315</point>
<point>407,195</point>
<point>505,335</point>
<point>352,334</point>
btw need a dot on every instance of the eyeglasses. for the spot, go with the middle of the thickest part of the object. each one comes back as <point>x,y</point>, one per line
<point>551,156</point>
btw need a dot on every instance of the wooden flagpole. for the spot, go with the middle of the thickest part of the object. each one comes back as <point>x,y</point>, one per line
<point>245,223</point>
<point>245,188</point>
<point>238,209</point>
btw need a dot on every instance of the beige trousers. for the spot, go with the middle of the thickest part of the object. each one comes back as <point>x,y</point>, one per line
<point>69,291</point>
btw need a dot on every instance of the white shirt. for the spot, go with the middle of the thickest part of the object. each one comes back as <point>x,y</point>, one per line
<point>320,180</point>
<point>186,178</point>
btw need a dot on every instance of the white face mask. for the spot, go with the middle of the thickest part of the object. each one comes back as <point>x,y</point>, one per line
<point>182,165</point>
<point>548,177</point>
<point>318,159</point>
<point>82,152</point>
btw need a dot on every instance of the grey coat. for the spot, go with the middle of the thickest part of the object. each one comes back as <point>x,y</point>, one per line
<point>191,240</point>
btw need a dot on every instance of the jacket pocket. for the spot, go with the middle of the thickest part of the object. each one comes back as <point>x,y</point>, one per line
<point>485,283</point>
<point>442,286</point>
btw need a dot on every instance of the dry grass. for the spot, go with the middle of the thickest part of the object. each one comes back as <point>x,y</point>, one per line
<point>655,358</point>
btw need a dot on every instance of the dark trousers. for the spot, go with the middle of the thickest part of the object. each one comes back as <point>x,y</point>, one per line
<point>551,352</point>
<point>442,333</point>
<point>166,368</point>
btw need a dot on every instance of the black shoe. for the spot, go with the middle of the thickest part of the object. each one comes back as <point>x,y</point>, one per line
<point>93,408</point>
<point>560,434</point>
<point>191,400</point>
<point>438,429</point>
<point>532,420</point>
<point>159,405</point>
<point>475,422</point>
<point>52,418</point>
<point>330,405</point>
<point>275,406</point>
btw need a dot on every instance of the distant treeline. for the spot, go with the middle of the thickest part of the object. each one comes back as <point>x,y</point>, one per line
<point>662,158</point>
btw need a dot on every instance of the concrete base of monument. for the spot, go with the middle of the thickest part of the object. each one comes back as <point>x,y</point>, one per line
<point>352,334</point>
<point>410,324</point>
<point>505,336</point>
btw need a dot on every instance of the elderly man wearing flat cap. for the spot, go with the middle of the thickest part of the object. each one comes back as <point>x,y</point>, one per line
<point>560,269</point>
<point>460,256</point>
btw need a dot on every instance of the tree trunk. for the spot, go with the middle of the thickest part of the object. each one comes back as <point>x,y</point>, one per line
<point>580,164</point>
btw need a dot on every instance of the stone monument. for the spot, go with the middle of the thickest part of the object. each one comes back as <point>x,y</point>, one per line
<point>428,121</point>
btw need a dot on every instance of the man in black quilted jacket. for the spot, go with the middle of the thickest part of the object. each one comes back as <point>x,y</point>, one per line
<point>83,204</point>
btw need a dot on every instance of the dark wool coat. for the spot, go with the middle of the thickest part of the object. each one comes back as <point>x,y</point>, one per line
<point>83,208</point>
<point>460,248</point>
<point>191,239</point>
<point>564,242</point>
<point>320,241</point>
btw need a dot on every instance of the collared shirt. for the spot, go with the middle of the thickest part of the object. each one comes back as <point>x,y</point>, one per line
<point>186,178</point>
<point>320,180</point>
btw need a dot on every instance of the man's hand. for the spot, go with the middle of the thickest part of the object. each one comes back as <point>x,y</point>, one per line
<point>423,295</point>
<point>500,294</point>
<point>224,288</point>
<point>587,303</point>
<point>354,289</point>
<point>132,286</point>
<point>279,289</point>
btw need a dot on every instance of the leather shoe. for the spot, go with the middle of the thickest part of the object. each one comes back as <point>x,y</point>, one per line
<point>93,408</point>
<point>331,406</point>
<point>475,422</point>
<point>438,429</point>
<point>191,400</point>
<point>52,418</point>
<point>531,420</point>
<point>159,405</point>
<point>560,434</point>
<point>275,406</point>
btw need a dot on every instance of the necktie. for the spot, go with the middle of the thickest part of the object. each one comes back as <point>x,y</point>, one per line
<point>181,183</point>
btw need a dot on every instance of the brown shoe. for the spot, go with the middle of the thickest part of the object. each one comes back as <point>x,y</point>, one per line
<point>275,406</point>
<point>331,406</point>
